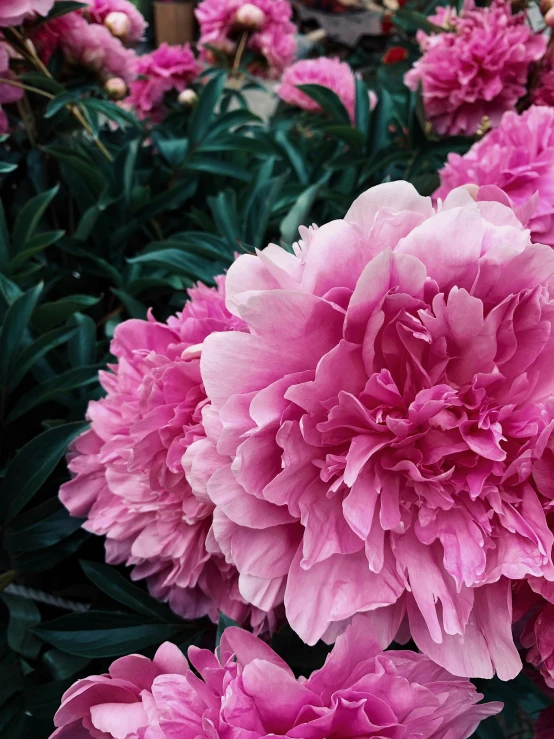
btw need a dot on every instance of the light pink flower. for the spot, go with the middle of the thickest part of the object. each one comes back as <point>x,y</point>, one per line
<point>12,12</point>
<point>99,10</point>
<point>246,690</point>
<point>119,704</point>
<point>273,43</point>
<point>478,68</point>
<point>167,68</point>
<point>384,429</point>
<point>128,479</point>
<point>519,158</point>
<point>332,73</point>
<point>8,93</point>
<point>88,44</point>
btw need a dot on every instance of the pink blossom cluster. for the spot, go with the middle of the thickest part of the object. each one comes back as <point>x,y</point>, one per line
<point>331,73</point>
<point>8,93</point>
<point>518,157</point>
<point>382,433</point>
<point>167,68</point>
<point>477,68</point>
<point>128,478</point>
<point>247,690</point>
<point>270,32</point>
<point>13,12</point>
<point>119,15</point>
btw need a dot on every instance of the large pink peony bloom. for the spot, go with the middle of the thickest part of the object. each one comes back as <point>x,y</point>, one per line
<point>12,12</point>
<point>384,433</point>
<point>99,11</point>
<point>332,73</point>
<point>519,158</point>
<point>478,68</point>
<point>248,691</point>
<point>8,93</point>
<point>273,41</point>
<point>128,479</point>
<point>167,68</point>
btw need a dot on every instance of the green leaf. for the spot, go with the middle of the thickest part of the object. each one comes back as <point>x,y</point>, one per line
<point>351,136</point>
<point>82,345</point>
<point>51,389</point>
<point>105,634</point>
<point>62,665</point>
<point>225,214</point>
<point>37,349</point>
<point>39,528</point>
<point>52,314</point>
<point>7,167</point>
<point>60,101</point>
<point>40,80</point>
<point>411,21</point>
<point>109,581</point>
<point>32,466</point>
<point>173,151</point>
<point>217,166</point>
<point>87,223</point>
<point>36,244</point>
<point>29,217</point>
<point>61,7</point>
<point>259,212</point>
<point>82,165</point>
<point>13,328</point>
<point>223,623</point>
<point>129,169</point>
<point>134,307</point>
<point>363,112</point>
<point>205,108</point>
<point>294,155</point>
<point>4,241</point>
<point>328,100</point>
<point>174,259</point>
<point>298,214</point>
<point>24,615</point>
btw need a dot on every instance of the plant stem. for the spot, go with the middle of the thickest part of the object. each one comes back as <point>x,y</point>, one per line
<point>240,52</point>
<point>36,90</point>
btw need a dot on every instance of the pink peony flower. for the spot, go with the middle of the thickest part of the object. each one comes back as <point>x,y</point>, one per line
<point>519,158</point>
<point>332,73</point>
<point>100,11</point>
<point>246,690</point>
<point>167,68</point>
<point>478,68</point>
<point>273,41</point>
<point>8,93</point>
<point>12,12</point>
<point>128,479</point>
<point>534,605</point>
<point>543,92</point>
<point>384,430</point>
<point>88,44</point>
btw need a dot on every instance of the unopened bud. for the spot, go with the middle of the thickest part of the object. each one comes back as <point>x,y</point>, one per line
<point>116,88</point>
<point>187,98</point>
<point>93,58</point>
<point>250,16</point>
<point>118,24</point>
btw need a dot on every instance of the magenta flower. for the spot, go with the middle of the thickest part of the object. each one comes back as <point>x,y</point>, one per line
<point>383,426</point>
<point>12,12</point>
<point>272,40</point>
<point>246,690</point>
<point>543,92</point>
<point>104,11</point>
<point>8,93</point>
<point>519,158</point>
<point>478,68</point>
<point>534,606</point>
<point>128,478</point>
<point>167,68</point>
<point>332,73</point>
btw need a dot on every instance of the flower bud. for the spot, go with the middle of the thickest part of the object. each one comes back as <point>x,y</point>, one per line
<point>118,24</point>
<point>187,98</point>
<point>116,88</point>
<point>549,18</point>
<point>93,58</point>
<point>250,16</point>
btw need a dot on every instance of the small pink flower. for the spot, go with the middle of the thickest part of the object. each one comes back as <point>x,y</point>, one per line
<point>272,42</point>
<point>121,17</point>
<point>332,73</point>
<point>246,690</point>
<point>129,480</point>
<point>167,68</point>
<point>477,68</point>
<point>13,12</point>
<point>518,157</point>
